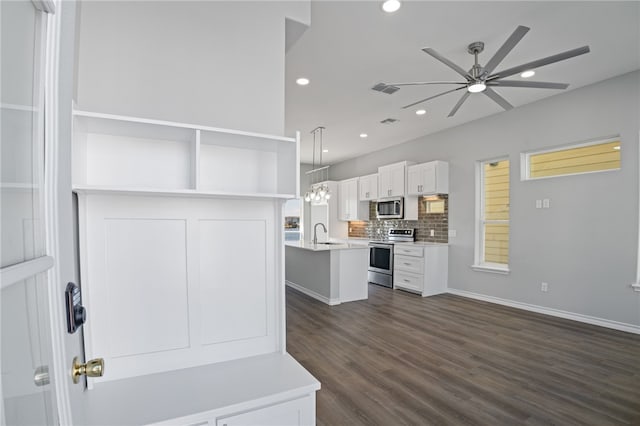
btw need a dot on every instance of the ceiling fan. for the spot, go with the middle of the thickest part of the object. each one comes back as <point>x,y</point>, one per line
<point>481,79</point>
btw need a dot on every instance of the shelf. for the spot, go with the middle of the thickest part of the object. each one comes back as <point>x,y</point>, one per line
<point>162,157</point>
<point>88,189</point>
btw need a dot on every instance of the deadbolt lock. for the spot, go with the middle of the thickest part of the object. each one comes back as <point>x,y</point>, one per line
<point>92,368</point>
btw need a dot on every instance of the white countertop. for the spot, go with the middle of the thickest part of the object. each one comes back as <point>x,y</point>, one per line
<point>325,247</point>
<point>424,243</point>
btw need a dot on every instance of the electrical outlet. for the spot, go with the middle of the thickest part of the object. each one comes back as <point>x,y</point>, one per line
<point>432,233</point>
<point>538,204</point>
<point>544,287</point>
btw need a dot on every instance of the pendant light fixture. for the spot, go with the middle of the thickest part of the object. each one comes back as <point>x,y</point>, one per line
<point>318,192</point>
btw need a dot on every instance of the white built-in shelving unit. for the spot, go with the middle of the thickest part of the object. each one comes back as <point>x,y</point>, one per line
<point>181,242</point>
<point>114,153</point>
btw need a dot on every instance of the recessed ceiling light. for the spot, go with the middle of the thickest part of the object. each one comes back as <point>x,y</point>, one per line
<point>325,150</point>
<point>363,135</point>
<point>477,87</point>
<point>302,81</point>
<point>527,74</point>
<point>391,6</point>
<point>421,112</point>
<point>617,147</point>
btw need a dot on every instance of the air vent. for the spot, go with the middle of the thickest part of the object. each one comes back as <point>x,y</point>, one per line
<point>385,88</point>
<point>389,121</point>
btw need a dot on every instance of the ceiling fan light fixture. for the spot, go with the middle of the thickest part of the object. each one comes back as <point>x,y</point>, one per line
<point>528,74</point>
<point>391,6</point>
<point>477,87</point>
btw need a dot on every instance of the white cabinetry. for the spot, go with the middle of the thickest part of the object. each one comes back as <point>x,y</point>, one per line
<point>428,178</point>
<point>421,269</point>
<point>392,179</point>
<point>118,153</point>
<point>350,207</point>
<point>170,215</point>
<point>368,187</point>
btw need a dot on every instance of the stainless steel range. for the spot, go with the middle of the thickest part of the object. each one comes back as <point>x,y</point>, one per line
<point>381,255</point>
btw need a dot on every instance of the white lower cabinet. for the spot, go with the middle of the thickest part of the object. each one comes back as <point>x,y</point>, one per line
<point>421,269</point>
<point>298,412</point>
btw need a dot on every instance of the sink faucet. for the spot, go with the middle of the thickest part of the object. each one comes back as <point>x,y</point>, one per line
<point>315,230</point>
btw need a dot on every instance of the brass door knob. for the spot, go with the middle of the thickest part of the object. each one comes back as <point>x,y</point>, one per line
<point>92,368</point>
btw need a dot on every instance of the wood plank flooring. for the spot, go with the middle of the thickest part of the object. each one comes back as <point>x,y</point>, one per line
<point>397,359</point>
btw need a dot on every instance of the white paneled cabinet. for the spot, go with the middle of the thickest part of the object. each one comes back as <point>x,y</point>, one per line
<point>392,179</point>
<point>368,188</point>
<point>181,264</point>
<point>421,268</point>
<point>350,207</point>
<point>428,178</point>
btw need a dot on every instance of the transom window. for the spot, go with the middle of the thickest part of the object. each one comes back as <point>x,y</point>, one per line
<point>588,157</point>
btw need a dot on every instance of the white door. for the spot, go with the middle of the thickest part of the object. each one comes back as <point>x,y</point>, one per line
<point>27,391</point>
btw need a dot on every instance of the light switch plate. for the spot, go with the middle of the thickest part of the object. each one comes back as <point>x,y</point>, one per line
<point>538,204</point>
<point>452,233</point>
<point>546,203</point>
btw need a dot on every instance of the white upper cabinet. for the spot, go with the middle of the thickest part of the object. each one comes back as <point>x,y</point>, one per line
<point>350,207</point>
<point>127,154</point>
<point>428,178</point>
<point>368,187</point>
<point>392,179</point>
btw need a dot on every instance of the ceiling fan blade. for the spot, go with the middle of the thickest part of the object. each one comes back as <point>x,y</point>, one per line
<point>534,84</point>
<point>506,48</point>
<point>498,99</point>
<point>459,104</point>
<point>540,62</point>
<point>422,83</point>
<point>447,62</point>
<point>434,96</point>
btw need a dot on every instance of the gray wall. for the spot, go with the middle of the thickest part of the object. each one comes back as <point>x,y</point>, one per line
<point>585,245</point>
<point>217,63</point>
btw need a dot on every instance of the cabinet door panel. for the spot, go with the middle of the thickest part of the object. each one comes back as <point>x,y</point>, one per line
<point>414,180</point>
<point>232,280</point>
<point>292,413</point>
<point>429,178</point>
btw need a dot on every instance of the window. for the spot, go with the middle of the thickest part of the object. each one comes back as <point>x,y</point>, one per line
<point>595,156</point>
<point>292,225</point>
<point>492,233</point>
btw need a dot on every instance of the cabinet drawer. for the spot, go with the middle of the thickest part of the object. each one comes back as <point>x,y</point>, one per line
<point>408,281</point>
<point>409,264</point>
<point>408,250</point>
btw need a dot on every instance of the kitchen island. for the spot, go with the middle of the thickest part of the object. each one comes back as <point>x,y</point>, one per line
<point>332,273</point>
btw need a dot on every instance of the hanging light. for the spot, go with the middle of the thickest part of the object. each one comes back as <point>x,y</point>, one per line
<point>318,191</point>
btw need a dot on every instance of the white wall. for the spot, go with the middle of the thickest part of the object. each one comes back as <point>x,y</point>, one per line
<point>217,63</point>
<point>585,245</point>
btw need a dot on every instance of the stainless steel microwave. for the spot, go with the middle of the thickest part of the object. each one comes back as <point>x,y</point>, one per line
<point>390,208</point>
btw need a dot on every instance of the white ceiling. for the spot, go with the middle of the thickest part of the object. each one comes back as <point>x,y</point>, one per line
<point>351,46</point>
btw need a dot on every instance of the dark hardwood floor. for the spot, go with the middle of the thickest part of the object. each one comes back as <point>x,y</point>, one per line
<point>397,358</point>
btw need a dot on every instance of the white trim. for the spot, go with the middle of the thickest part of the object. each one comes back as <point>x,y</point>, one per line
<point>494,269</point>
<point>51,188</point>
<point>602,322</point>
<point>311,293</point>
<point>13,274</point>
<point>89,189</point>
<point>636,285</point>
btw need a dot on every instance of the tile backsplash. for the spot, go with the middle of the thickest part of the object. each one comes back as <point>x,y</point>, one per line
<point>377,229</point>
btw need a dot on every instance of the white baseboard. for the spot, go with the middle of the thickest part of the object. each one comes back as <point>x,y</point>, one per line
<point>313,294</point>
<point>630,328</point>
